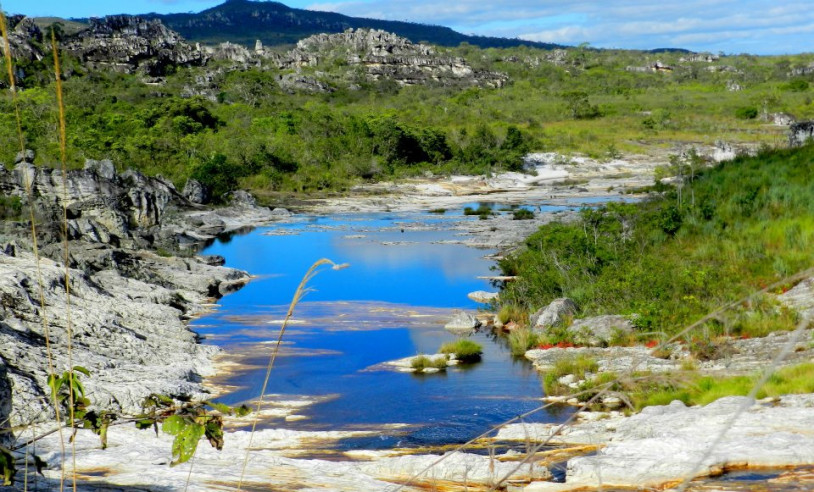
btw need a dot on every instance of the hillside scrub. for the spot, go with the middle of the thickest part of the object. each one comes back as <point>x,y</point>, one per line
<point>273,141</point>
<point>669,260</point>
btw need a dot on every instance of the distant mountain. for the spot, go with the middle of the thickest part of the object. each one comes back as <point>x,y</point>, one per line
<point>243,22</point>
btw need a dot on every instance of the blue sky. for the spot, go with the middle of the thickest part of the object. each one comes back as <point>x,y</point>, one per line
<point>731,26</point>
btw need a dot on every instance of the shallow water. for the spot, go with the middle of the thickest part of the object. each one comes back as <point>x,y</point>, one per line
<point>392,302</point>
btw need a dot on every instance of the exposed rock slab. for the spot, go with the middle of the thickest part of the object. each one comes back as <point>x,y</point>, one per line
<point>128,332</point>
<point>670,443</point>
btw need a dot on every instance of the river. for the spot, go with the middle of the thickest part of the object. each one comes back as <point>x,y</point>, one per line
<point>406,278</point>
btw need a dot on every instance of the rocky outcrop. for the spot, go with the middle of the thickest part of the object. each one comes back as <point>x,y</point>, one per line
<point>295,82</point>
<point>800,133</point>
<point>126,324</point>
<point>25,40</point>
<point>699,57</point>
<point>125,318</point>
<point>103,206</point>
<point>384,55</point>
<point>131,44</point>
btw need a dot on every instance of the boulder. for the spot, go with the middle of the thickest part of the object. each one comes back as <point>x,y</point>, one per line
<point>800,133</point>
<point>482,296</point>
<point>553,314</point>
<point>242,198</point>
<point>600,330</point>
<point>462,324</point>
<point>195,191</point>
<point>280,212</point>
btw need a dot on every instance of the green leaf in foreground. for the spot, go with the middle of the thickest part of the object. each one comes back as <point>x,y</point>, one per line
<point>187,433</point>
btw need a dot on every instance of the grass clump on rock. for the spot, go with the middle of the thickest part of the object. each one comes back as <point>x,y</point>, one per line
<point>465,350</point>
<point>423,362</point>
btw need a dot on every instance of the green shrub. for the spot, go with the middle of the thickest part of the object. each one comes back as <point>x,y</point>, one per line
<point>465,350</point>
<point>482,210</point>
<point>11,207</point>
<point>219,175</point>
<point>746,113</point>
<point>522,214</point>
<point>796,85</point>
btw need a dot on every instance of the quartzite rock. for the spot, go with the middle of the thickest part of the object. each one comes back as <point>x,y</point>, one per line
<point>128,44</point>
<point>553,314</point>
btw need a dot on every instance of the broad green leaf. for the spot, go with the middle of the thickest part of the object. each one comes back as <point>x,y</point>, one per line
<point>173,424</point>
<point>186,442</point>
<point>242,411</point>
<point>82,370</point>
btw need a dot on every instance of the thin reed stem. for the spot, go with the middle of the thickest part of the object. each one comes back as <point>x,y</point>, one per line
<point>29,190</point>
<point>66,248</point>
<point>298,295</point>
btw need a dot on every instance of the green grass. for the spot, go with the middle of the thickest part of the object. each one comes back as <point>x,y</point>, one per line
<point>578,366</point>
<point>701,390</point>
<point>465,350</point>
<point>649,389</point>
<point>521,340</point>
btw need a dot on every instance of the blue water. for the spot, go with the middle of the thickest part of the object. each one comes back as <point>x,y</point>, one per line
<point>344,336</point>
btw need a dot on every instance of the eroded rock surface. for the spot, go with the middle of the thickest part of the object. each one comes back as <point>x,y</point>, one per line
<point>384,55</point>
<point>670,443</point>
<point>128,44</point>
<point>128,305</point>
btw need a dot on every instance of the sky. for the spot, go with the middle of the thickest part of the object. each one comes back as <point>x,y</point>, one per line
<point>728,26</point>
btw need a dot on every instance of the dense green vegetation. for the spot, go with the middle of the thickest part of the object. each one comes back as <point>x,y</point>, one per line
<point>730,230</point>
<point>269,141</point>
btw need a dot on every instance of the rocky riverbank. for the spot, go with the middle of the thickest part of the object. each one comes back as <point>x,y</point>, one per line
<point>130,298</point>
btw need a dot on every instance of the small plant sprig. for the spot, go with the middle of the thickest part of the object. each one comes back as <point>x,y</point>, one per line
<point>188,422</point>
